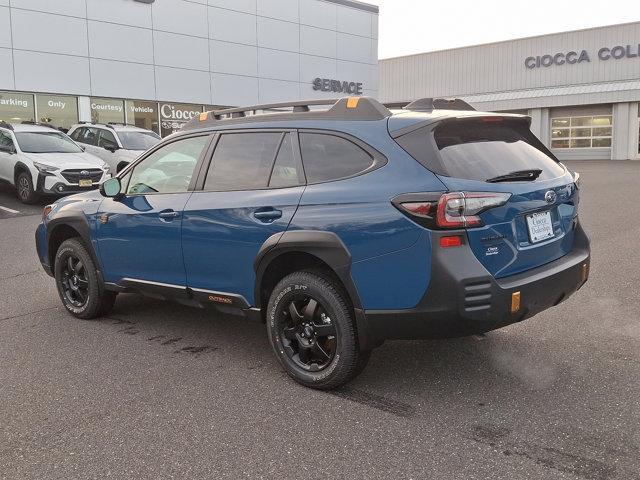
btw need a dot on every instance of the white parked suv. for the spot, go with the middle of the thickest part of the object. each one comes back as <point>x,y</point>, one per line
<point>38,160</point>
<point>116,144</point>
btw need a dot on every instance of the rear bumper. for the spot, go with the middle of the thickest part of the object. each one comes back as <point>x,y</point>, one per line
<point>464,299</point>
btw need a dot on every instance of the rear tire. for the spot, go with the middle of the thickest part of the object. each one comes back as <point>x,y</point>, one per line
<point>80,289</point>
<point>312,331</point>
<point>24,188</point>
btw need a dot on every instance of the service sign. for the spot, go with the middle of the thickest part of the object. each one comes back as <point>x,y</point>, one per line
<point>337,86</point>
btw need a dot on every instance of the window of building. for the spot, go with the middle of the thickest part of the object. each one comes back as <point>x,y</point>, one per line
<point>107,110</point>
<point>242,161</point>
<point>143,115</point>
<point>57,110</point>
<point>328,157</point>
<point>168,169</point>
<point>16,107</point>
<point>582,132</point>
<point>174,115</point>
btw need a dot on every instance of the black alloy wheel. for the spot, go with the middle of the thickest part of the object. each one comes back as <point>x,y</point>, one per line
<point>79,285</point>
<point>75,284</point>
<point>312,330</point>
<point>309,336</point>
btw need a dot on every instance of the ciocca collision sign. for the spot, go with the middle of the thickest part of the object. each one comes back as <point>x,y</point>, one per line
<point>573,57</point>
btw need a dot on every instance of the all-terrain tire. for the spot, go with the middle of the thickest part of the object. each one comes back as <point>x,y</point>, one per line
<point>347,359</point>
<point>79,286</point>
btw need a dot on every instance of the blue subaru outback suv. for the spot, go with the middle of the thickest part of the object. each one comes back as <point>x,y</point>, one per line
<point>339,227</point>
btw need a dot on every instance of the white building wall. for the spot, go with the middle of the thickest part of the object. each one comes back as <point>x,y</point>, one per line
<point>495,77</point>
<point>226,52</point>
<point>499,67</point>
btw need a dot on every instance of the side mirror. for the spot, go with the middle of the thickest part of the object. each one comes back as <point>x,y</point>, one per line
<point>111,148</point>
<point>111,188</point>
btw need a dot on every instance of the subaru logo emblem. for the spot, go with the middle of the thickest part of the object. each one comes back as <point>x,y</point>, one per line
<point>84,172</point>
<point>550,196</point>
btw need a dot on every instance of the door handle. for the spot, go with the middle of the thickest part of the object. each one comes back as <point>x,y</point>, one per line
<point>268,215</point>
<point>168,214</point>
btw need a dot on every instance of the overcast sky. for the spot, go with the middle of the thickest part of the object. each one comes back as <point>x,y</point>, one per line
<point>415,26</point>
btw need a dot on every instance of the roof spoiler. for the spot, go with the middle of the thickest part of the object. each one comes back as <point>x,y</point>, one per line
<point>430,104</point>
<point>347,108</point>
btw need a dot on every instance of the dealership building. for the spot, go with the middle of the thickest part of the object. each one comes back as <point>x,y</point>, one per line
<point>157,63</point>
<point>581,88</point>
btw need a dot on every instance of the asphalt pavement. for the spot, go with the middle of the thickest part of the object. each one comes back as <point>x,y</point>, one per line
<point>158,390</point>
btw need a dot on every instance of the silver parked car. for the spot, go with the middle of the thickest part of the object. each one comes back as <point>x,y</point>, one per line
<point>116,144</point>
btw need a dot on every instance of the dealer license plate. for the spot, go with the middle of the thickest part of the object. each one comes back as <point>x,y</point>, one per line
<point>540,226</point>
<point>85,182</point>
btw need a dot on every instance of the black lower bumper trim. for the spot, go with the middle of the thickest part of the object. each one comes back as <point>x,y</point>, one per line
<point>464,299</point>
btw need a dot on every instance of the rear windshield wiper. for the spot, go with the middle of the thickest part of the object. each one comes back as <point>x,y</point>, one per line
<point>516,176</point>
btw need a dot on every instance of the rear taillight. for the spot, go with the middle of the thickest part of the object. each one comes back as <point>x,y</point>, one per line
<point>462,209</point>
<point>449,210</point>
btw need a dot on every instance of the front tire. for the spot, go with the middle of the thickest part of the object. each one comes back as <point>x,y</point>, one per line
<point>312,331</point>
<point>24,188</point>
<point>80,289</point>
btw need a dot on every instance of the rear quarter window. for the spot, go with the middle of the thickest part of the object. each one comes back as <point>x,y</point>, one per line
<point>329,157</point>
<point>478,150</point>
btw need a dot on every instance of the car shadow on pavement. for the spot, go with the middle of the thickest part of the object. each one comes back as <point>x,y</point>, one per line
<point>403,367</point>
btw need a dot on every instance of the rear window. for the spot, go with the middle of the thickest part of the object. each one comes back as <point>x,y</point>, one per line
<point>480,150</point>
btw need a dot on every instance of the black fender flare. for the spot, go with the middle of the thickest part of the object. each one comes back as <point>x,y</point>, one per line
<point>327,247</point>
<point>19,167</point>
<point>78,222</point>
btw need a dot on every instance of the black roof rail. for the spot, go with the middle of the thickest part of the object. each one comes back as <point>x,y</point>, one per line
<point>347,108</point>
<point>39,124</point>
<point>6,125</point>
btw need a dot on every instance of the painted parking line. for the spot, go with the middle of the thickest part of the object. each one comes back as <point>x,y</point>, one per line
<point>10,210</point>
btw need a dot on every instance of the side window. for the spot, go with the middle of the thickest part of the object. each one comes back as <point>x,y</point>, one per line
<point>242,161</point>
<point>5,141</point>
<point>77,134</point>
<point>168,169</point>
<point>285,170</point>
<point>89,136</point>
<point>106,139</point>
<point>328,157</point>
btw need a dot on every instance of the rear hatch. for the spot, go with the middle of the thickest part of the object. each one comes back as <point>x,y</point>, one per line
<point>534,224</point>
